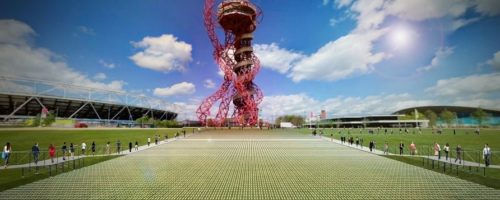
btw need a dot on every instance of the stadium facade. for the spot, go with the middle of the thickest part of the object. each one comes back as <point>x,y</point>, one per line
<point>22,98</point>
<point>389,121</point>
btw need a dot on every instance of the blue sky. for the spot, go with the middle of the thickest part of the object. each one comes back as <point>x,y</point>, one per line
<point>347,57</point>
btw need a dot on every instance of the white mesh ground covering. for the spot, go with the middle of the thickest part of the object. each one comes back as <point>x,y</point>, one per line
<point>252,168</point>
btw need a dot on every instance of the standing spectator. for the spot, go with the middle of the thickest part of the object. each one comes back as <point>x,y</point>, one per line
<point>93,148</point>
<point>331,137</point>
<point>64,149</point>
<point>7,149</point>
<point>118,147</point>
<point>107,148</point>
<point>156,140</point>
<point>412,148</point>
<point>386,148</point>
<point>371,145</point>
<point>401,148</point>
<point>72,150</point>
<point>35,151</point>
<point>357,141</point>
<point>149,141</point>
<point>486,155</point>
<point>84,146</point>
<point>130,147</point>
<point>459,154</point>
<point>437,150</point>
<point>184,132</point>
<point>477,131</point>
<point>446,150</point>
<point>361,142</point>
<point>52,152</point>
<point>454,132</point>
<point>136,146</point>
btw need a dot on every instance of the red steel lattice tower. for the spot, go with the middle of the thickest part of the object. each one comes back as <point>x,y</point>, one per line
<point>235,57</point>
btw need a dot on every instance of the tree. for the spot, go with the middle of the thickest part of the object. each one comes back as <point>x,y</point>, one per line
<point>431,116</point>
<point>480,116</point>
<point>448,116</point>
<point>51,118</point>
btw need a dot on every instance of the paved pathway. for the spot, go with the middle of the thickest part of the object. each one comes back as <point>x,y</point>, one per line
<point>253,165</point>
<point>379,152</point>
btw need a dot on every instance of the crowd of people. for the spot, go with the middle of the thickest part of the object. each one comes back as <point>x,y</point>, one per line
<point>412,148</point>
<point>68,152</point>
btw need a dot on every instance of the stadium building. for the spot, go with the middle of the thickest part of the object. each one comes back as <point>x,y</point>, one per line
<point>22,98</point>
<point>390,121</point>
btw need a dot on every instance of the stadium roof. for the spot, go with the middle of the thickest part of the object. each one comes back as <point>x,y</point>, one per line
<point>21,98</point>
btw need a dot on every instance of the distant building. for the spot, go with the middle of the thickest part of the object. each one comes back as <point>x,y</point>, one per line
<point>390,121</point>
<point>322,115</point>
<point>464,114</point>
<point>287,125</point>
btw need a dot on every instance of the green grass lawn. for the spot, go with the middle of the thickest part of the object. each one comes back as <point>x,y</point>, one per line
<point>485,176</point>
<point>472,144</point>
<point>10,178</point>
<point>23,140</point>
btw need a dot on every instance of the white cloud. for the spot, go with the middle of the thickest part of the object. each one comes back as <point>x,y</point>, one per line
<point>106,64</point>
<point>86,30</point>
<point>419,10</point>
<point>488,7</point>
<point>183,88</point>
<point>347,56</point>
<point>220,73</point>
<point>469,86</point>
<point>302,104</point>
<point>14,32</point>
<point>495,61</point>
<point>370,14</point>
<point>20,59</point>
<point>99,76</point>
<point>275,58</point>
<point>440,54</point>
<point>164,53</point>
<point>209,83</point>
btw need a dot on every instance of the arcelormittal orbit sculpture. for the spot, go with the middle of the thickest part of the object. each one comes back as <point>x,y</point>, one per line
<point>235,57</point>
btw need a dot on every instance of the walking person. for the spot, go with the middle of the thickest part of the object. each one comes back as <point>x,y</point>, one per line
<point>401,148</point>
<point>36,152</point>
<point>52,152</point>
<point>107,148</point>
<point>486,155</point>
<point>118,147</point>
<point>7,149</point>
<point>459,154</point>
<point>446,150</point>
<point>64,149</point>
<point>72,150</point>
<point>136,146</point>
<point>130,147</point>
<point>84,146</point>
<point>386,148</point>
<point>437,150</point>
<point>93,148</point>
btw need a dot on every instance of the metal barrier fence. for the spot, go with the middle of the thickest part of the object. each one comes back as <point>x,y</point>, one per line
<point>28,158</point>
